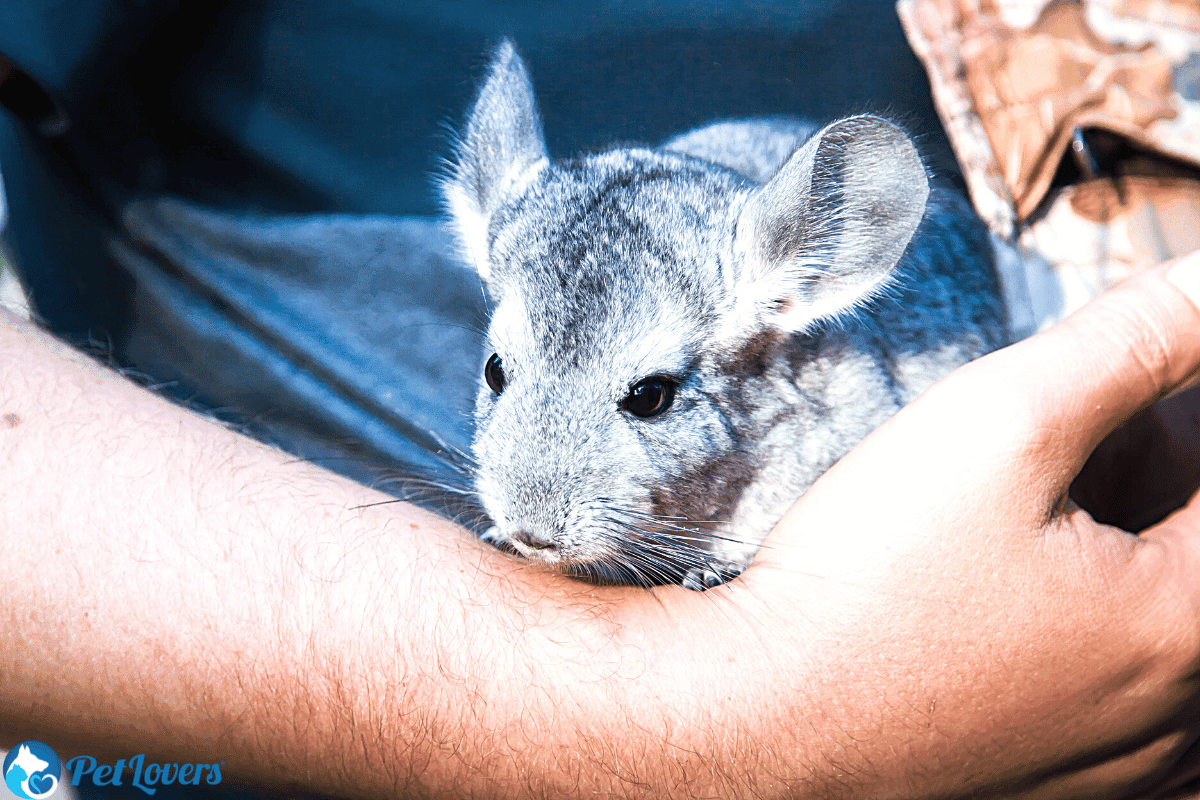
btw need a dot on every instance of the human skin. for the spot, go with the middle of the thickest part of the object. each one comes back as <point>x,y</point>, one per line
<point>170,587</point>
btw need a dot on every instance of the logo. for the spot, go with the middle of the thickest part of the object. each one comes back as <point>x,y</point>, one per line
<point>32,770</point>
<point>144,775</point>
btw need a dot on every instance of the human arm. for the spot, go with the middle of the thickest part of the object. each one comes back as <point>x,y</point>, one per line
<point>956,628</point>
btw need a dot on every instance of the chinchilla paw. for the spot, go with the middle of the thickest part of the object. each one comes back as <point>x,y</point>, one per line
<point>700,579</point>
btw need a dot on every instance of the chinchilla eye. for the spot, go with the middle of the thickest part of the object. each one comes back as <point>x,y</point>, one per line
<point>650,397</point>
<point>493,373</point>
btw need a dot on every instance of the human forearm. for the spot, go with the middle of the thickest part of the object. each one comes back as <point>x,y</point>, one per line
<point>187,568</point>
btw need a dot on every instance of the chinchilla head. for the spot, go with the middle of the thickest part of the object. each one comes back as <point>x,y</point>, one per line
<point>633,291</point>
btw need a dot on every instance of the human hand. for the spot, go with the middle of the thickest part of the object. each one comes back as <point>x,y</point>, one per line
<point>965,627</point>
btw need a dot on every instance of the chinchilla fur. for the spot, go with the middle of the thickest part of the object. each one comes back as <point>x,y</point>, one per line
<point>685,337</point>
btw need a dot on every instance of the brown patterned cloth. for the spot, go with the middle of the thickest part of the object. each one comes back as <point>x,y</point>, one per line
<point>1077,124</point>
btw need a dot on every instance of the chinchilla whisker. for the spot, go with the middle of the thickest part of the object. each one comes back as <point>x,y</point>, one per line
<point>637,542</point>
<point>702,533</point>
<point>682,530</point>
<point>664,523</point>
<point>665,518</point>
<point>455,458</point>
<point>625,522</point>
<point>662,554</point>
<point>702,528</point>
<point>685,533</point>
<point>413,487</point>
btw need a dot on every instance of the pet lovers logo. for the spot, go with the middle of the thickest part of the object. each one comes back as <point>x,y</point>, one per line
<point>32,771</point>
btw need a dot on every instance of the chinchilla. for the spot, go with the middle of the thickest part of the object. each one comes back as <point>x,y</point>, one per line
<point>685,337</point>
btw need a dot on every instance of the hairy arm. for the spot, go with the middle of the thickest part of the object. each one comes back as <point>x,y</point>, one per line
<point>168,586</point>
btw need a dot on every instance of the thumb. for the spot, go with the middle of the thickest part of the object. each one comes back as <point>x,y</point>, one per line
<point>1051,399</point>
<point>1059,393</point>
<point>1116,355</point>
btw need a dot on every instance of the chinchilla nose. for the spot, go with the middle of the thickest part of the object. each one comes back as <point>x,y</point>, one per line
<point>534,541</point>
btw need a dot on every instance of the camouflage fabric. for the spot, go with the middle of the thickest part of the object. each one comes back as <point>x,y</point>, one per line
<point>1077,125</point>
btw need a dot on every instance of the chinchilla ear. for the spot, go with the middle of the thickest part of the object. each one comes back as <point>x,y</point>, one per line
<point>825,232</point>
<point>502,141</point>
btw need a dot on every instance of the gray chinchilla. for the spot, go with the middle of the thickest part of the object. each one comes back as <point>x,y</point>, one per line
<point>686,337</point>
